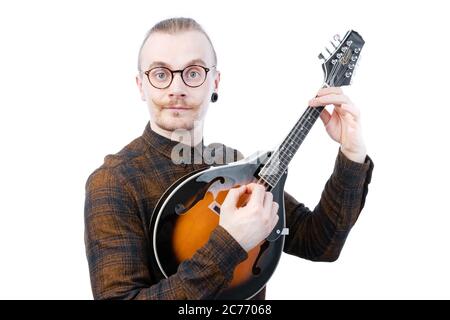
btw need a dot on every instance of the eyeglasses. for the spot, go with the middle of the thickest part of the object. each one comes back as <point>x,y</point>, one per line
<point>193,76</point>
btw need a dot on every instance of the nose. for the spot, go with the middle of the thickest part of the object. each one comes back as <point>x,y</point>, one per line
<point>177,87</point>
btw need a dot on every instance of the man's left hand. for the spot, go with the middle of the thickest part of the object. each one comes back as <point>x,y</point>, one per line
<point>344,124</point>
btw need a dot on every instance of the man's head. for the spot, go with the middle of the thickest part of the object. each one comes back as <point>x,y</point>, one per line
<point>177,100</point>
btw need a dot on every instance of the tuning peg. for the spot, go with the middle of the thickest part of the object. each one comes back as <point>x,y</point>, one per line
<point>334,46</point>
<point>357,63</point>
<point>337,38</point>
<point>359,59</point>
<point>321,56</point>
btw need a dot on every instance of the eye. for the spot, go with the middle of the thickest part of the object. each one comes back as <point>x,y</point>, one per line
<point>160,75</point>
<point>193,74</point>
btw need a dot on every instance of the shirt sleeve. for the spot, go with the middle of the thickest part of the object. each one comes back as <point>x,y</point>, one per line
<point>118,252</point>
<point>319,235</point>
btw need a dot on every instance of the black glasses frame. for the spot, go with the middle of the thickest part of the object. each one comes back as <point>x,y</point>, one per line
<point>181,71</point>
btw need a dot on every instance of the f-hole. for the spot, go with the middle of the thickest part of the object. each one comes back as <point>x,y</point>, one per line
<point>255,269</point>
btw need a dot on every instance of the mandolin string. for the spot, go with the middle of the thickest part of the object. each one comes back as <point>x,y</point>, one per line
<point>334,71</point>
<point>342,74</point>
<point>271,169</point>
<point>334,74</point>
<point>347,57</point>
<point>279,153</point>
<point>274,168</point>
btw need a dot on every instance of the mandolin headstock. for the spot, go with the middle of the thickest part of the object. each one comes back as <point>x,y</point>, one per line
<point>339,63</point>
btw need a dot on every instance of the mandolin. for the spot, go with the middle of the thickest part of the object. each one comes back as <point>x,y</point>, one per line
<point>189,209</point>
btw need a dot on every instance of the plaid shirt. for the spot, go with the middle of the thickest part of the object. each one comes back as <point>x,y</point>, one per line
<point>122,193</point>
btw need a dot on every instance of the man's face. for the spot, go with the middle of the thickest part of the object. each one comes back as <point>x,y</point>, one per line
<point>178,106</point>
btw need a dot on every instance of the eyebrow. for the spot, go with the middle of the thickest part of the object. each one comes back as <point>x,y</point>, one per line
<point>164,64</point>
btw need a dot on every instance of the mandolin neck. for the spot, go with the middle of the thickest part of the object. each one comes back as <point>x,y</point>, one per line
<point>283,154</point>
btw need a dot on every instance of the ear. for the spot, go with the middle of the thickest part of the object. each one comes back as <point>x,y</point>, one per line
<point>139,84</point>
<point>216,81</point>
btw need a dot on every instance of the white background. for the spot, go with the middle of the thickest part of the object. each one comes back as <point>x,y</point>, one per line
<point>68,98</point>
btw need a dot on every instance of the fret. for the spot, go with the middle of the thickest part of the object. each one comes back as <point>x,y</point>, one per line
<point>338,68</point>
<point>281,157</point>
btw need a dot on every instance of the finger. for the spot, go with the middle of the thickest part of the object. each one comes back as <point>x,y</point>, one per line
<point>257,194</point>
<point>233,196</point>
<point>329,90</point>
<point>335,99</point>
<point>275,215</point>
<point>325,116</point>
<point>268,201</point>
<point>274,208</point>
<point>345,114</point>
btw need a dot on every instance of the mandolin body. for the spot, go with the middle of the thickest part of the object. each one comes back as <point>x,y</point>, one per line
<point>189,211</point>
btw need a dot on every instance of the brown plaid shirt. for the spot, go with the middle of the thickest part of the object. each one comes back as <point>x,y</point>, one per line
<point>122,193</point>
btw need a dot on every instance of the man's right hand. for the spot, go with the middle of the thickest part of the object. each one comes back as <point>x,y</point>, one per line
<point>253,222</point>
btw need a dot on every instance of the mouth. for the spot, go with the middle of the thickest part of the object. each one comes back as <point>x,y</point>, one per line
<point>177,108</point>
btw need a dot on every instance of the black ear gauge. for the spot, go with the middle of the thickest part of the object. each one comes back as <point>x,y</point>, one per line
<point>214,97</point>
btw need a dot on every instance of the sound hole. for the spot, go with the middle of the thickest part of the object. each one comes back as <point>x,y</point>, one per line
<point>255,269</point>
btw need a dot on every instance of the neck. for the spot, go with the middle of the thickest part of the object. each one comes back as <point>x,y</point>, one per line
<point>190,137</point>
<point>278,162</point>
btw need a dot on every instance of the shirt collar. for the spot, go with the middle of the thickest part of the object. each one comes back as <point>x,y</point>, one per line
<point>165,145</point>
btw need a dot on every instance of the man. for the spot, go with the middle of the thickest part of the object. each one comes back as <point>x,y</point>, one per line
<point>177,79</point>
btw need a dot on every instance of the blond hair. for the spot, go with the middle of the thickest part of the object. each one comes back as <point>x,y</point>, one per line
<point>173,26</point>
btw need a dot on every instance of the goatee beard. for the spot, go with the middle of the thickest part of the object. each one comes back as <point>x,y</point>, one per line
<point>186,125</point>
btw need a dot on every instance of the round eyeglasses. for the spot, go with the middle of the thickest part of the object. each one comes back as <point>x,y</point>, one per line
<point>193,76</point>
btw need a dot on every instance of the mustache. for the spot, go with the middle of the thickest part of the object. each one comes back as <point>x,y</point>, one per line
<point>173,103</point>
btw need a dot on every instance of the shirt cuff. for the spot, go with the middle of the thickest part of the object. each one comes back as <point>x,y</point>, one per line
<point>225,251</point>
<point>351,174</point>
